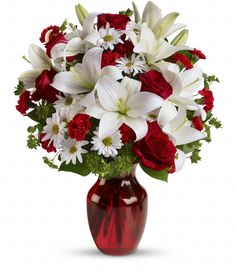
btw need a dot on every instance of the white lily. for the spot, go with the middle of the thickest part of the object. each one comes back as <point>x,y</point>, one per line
<point>175,124</point>
<point>39,61</point>
<point>154,49</point>
<point>83,78</point>
<point>123,103</point>
<point>185,85</point>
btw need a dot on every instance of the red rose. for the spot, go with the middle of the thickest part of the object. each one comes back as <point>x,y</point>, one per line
<point>116,21</point>
<point>198,53</point>
<point>184,60</point>
<point>79,126</point>
<point>153,81</point>
<point>43,88</point>
<point>22,106</point>
<point>109,58</point>
<point>197,123</point>
<point>125,49</point>
<point>208,99</point>
<point>45,144</point>
<point>50,37</point>
<point>127,134</point>
<point>156,151</point>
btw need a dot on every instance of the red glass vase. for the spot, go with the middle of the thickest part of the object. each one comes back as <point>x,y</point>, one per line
<point>117,212</point>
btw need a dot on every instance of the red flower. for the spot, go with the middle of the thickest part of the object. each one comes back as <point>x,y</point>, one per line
<point>45,144</point>
<point>125,49</point>
<point>50,37</point>
<point>198,53</point>
<point>127,134</point>
<point>22,106</point>
<point>116,21</point>
<point>153,81</point>
<point>156,151</point>
<point>109,58</point>
<point>43,88</point>
<point>208,99</point>
<point>79,126</point>
<point>178,57</point>
<point>197,123</point>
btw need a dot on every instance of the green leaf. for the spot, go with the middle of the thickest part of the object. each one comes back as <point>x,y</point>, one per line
<point>63,27</point>
<point>160,175</point>
<point>50,163</point>
<point>34,116</point>
<point>216,123</point>
<point>19,89</point>
<point>127,12</point>
<point>78,168</point>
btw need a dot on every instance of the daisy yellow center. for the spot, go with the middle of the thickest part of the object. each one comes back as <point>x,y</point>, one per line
<point>122,107</point>
<point>55,129</point>
<point>68,101</point>
<point>129,65</point>
<point>73,150</point>
<point>107,141</point>
<point>108,38</point>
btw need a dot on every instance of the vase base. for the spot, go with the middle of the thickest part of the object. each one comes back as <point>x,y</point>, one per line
<point>117,252</point>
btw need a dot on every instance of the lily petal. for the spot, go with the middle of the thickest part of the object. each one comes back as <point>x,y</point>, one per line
<point>138,125</point>
<point>110,123</point>
<point>191,80</point>
<point>57,51</point>
<point>151,15</point>
<point>173,29</point>
<point>29,77</point>
<point>67,83</point>
<point>167,113</point>
<point>38,58</point>
<point>96,111</point>
<point>131,85</point>
<point>112,72</point>
<point>180,160</point>
<point>142,103</point>
<point>187,135</point>
<point>110,92</point>
<point>74,47</point>
<point>88,25</point>
<point>88,100</point>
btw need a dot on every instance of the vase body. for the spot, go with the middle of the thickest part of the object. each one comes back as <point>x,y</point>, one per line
<point>117,211</point>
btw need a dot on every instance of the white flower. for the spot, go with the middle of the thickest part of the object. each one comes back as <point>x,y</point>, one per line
<point>83,78</point>
<point>72,150</point>
<point>68,104</point>
<point>54,130</point>
<point>123,103</point>
<point>107,145</point>
<point>134,65</point>
<point>109,37</point>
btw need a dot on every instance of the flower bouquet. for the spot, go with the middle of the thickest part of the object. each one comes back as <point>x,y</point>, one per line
<point>122,90</point>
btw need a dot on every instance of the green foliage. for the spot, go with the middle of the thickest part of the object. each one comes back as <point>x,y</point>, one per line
<point>122,164</point>
<point>49,162</point>
<point>19,89</point>
<point>43,111</point>
<point>127,12</point>
<point>195,157</point>
<point>78,168</point>
<point>215,122</point>
<point>63,27</point>
<point>159,175</point>
<point>209,79</point>
<point>33,136</point>
<point>208,133</point>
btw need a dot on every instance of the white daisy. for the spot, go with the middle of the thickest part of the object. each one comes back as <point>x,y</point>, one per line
<point>109,37</point>
<point>107,145</point>
<point>72,150</point>
<point>67,104</point>
<point>134,65</point>
<point>54,130</point>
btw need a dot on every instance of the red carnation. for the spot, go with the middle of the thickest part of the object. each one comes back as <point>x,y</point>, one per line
<point>153,81</point>
<point>51,36</point>
<point>127,134</point>
<point>45,144</point>
<point>79,126</point>
<point>22,106</point>
<point>109,58</point>
<point>156,151</point>
<point>116,21</point>
<point>125,49</point>
<point>208,99</point>
<point>198,53</point>
<point>197,123</point>
<point>184,60</point>
<point>44,90</point>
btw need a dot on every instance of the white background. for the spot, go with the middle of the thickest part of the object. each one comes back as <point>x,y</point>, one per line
<point>191,222</point>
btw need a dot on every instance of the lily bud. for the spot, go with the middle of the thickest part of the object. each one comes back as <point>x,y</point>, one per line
<point>82,13</point>
<point>181,38</point>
